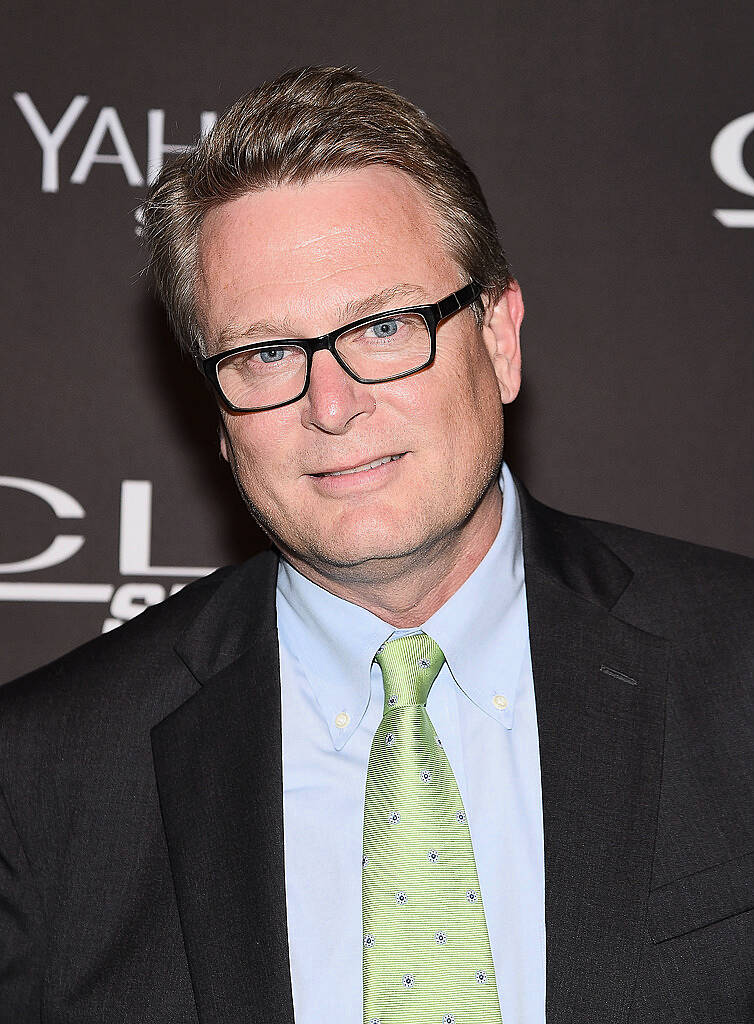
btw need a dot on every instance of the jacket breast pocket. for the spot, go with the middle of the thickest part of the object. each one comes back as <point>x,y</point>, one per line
<point>701,899</point>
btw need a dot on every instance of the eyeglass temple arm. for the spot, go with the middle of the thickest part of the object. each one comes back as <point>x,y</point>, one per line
<point>458,300</point>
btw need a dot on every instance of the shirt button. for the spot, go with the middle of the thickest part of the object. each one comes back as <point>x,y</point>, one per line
<point>342,719</point>
<point>500,702</point>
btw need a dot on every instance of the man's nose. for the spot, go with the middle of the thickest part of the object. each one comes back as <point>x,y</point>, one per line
<point>334,400</point>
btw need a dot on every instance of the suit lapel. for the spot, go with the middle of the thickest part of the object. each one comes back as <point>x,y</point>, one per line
<point>219,776</point>
<point>601,754</point>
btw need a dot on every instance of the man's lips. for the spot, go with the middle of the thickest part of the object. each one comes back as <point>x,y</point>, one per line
<point>362,468</point>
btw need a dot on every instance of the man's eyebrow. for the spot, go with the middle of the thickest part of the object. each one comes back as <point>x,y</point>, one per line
<point>378,302</point>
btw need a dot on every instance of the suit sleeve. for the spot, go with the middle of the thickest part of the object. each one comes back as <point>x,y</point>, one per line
<point>20,929</point>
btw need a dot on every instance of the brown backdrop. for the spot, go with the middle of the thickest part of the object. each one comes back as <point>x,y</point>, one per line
<point>592,127</point>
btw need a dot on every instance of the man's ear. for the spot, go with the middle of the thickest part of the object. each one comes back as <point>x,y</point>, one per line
<point>502,337</point>
<point>223,436</point>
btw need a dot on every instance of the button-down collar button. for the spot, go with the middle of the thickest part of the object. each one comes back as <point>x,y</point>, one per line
<point>500,702</point>
<point>342,719</point>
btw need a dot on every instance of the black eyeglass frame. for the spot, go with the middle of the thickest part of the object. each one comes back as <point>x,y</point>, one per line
<point>432,314</point>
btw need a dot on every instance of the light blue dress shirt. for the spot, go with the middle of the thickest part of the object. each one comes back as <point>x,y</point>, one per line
<point>482,707</point>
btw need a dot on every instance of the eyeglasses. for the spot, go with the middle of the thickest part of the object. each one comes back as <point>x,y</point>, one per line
<point>373,350</point>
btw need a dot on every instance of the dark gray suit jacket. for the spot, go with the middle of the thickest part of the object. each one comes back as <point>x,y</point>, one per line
<point>141,852</point>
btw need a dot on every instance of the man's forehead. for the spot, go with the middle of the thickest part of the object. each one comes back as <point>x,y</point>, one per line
<point>371,206</point>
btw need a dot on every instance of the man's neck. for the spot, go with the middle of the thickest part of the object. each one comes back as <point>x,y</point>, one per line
<point>410,590</point>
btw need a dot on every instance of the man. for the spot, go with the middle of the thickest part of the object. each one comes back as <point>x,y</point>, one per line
<point>317,786</point>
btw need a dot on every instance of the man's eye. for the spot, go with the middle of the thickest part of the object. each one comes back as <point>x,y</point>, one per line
<point>384,329</point>
<point>271,355</point>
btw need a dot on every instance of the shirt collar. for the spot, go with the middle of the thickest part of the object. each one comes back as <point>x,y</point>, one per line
<point>334,641</point>
<point>483,628</point>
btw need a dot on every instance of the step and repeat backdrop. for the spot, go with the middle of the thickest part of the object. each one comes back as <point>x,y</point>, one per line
<point>615,143</point>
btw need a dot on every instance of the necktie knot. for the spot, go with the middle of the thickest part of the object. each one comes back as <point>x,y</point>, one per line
<point>410,664</point>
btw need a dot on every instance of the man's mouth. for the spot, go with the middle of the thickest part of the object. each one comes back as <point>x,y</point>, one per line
<point>364,468</point>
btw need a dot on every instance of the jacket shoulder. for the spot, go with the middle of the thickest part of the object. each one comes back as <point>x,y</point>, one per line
<point>677,587</point>
<point>129,675</point>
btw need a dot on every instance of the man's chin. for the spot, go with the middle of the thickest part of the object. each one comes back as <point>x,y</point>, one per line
<point>366,559</point>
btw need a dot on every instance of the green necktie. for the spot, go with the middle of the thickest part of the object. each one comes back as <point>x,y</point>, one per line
<point>426,950</point>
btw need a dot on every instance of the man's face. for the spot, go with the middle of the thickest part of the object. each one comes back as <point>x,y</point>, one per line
<point>306,258</point>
